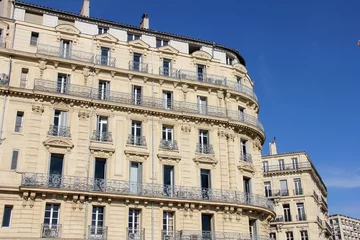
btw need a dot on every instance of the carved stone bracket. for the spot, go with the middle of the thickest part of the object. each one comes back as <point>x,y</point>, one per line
<point>222,134</point>
<point>165,158</point>
<point>101,151</point>
<point>257,144</point>
<point>59,143</point>
<point>185,89</point>
<point>247,167</point>
<point>86,73</point>
<point>37,108</point>
<point>136,156</point>
<point>42,67</point>
<point>205,160</point>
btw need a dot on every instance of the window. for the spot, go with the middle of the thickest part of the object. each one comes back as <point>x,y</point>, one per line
<point>161,42</point>
<point>136,95</point>
<point>168,224</point>
<point>241,112</point>
<point>97,222</point>
<point>252,229</point>
<point>99,174</point>
<point>137,60</point>
<point>59,127</point>
<point>34,38</point>
<point>297,187</point>
<point>104,58</point>
<point>304,235</point>
<point>247,185</point>
<point>201,72</point>
<point>205,178</point>
<point>289,236</point>
<point>136,133</point>
<point>14,159</point>
<point>102,129</point>
<point>229,60</point>
<point>281,164</point>
<point>167,133</point>
<point>33,17</point>
<point>24,77</point>
<point>104,90</point>
<point>243,151</point>
<point>134,221</point>
<point>273,236</point>
<point>55,170</point>
<point>287,214</point>
<point>301,212</point>
<point>284,188</point>
<point>194,48</point>
<point>102,30</point>
<point>166,68</point>
<point>51,214</point>
<point>202,104</point>
<point>266,166</point>
<point>295,163</point>
<point>206,225</point>
<point>7,216</point>
<point>63,83</point>
<point>167,100</point>
<point>267,189</point>
<point>19,121</point>
<point>132,37</point>
<point>168,180</point>
<point>203,141</point>
<point>65,48</point>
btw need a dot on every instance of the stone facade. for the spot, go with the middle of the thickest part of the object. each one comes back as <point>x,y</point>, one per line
<point>344,227</point>
<point>118,132</point>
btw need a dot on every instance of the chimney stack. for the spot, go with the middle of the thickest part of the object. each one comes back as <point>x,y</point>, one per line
<point>145,21</point>
<point>85,9</point>
<point>273,150</point>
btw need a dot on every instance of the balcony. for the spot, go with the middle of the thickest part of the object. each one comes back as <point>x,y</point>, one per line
<point>298,192</point>
<point>57,51</point>
<point>323,201</point>
<point>98,232</point>
<point>204,148</point>
<point>59,131</point>
<point>169,235</point>
<point>246,157</point>
<point>278,219</point>
<point>74,183</point>
<point>168,145</point>
<point>287,167</point>
<point>169,72</point>
<point>316,196</point>
<point>150,102</point>
<point>210,235</point>
<point>301,217</point>
<point>105,61</point>
<point>327,226</point>
<point>202,77</point>
<point>50,230</point>
<point>101,136</point>
<point>138,67</point>
<point>4,79</point>
<point>279,193</point>
<point>135,234</point>
<point>136,140</point>
<point>238,87</point>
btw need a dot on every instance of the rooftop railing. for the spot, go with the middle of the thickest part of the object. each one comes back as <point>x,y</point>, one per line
<point>287,167</point>
<point>150,102</point>
<point>58,51</point>
<point>74,183</point>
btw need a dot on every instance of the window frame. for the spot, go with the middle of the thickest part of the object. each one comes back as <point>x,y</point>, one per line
<point>161,42</point>
<point>18,114</point>
<point>12,159</point>
<point>11,207</point>
<point>33,36</point>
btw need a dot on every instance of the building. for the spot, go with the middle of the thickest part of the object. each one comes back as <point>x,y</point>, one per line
<point>112,131</point>
<point>344,227</point>
<point>300,196</point>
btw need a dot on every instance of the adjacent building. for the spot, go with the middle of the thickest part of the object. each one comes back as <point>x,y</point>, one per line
<point>344,227</point>
<point>112,131</point>
<point>299,194</point>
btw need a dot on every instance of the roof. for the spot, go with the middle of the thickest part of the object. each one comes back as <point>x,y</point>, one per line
<point>298,152</point>
<point>340,215</point>
<point>131,27</point>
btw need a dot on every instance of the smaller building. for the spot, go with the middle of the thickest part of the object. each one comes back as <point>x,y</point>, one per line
<point>300,196</point>
<point>345,227</point>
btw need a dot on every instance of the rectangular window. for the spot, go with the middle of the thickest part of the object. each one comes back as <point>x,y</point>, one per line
<point>137,95</point>
<point>137,60</point>
<point>161,42</point>
<point>194,48</point>
<point>304,235</point>
<point>132,37</point>
<point>104,90</point>
<point>102,127</point>
<point>102,30</point>
<point>201,72</point>
<point>55,170</point>
<point>166,67</point>
<point>167,133</point>
<point>34,38</point>
<point>272,236</point>
<point>205,177</point>
<point>267,189</point>
<point>19,121</point>
<point>253,229</point>
<point>295,163</point>
<point>59,127</point>
<point>247,185</point>
<point>289,236</point>
<point>241,112</point>
<point>7,216</point>
<point>168,180</point>
<point>168,225</point>
<point>204,146</point>
<point>167,100</point>
<point>65,48</point>
<point>14,159</point>
<point>266,166</point>
<point>281,164</point>
<point>51,214</point>
<point>135,177</point>
<point>97,222</point>
<point>134,222</point>
<point>287,213</point>
<point>284,188</point>
<point>24,77</point>
<point>104,58</point>
<point>297,187</point>
<point>243,151</point>
<point>136,132</point>
<point>206,225</point>
<point>229,60</point>
<point>202,104</point>
<point>63,83</point>
<point>301,212</point>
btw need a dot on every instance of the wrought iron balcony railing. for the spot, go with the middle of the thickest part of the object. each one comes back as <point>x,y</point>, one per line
<point>50,230</point>
<point>298,191</point>
<point>301,217</point>
<point>138,66</point>
<point>204,148</point>
<point>323,201</point>
<point>287,167</point>
<point>74,183</point>
<point>136,140</point>
<point>210,235</point>
<point>59,131</point>
<point>169,235</point>
<point>57,51</point>
<point>105,60</point>
<point>150,102</point>
<point>278,218</point>
<point>102,136</point>
<point>4,79</point>
<point>168,144</point>
<point>202,77</point>
<point>98,232</point>
<point>316,196</point>
<point>242,89</point>
<point>169,72</point>
<point>279,193</point>
<point>135,233</point>
<point>246,157</point>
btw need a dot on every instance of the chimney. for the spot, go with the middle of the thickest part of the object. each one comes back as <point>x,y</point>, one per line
<point>272,147</point>
<point>85,9</point>
<point>145,21</point>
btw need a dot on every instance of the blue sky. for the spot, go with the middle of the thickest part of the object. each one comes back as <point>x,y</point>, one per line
<point>304,60</point>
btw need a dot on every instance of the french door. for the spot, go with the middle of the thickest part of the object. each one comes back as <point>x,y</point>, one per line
<point>203,141</point>
<point>136,95</point>
<point>136,132</point>
<point>205,178</point>
<point>134,221</point>
<point>104,90</point>
<point>63,83</point>
<point>202,105</point>
<point>60,124</point>
<point>135,177</point>
<point>97,222</point>
<point>99,175</point>
<point>168,225</point>
<point>167,100</point>
<point>65,48</point>
<point>168,181</point>
<point>55,170</point>
<point>102,128</point>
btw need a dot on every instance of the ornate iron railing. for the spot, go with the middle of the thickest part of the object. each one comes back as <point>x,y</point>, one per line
<point>169,235</point>
<point>98,232</point>
<point>158,103</point>
<point>278,218</point>
<point>138,66</point>
<point>75,183</point>
<point>208,235</point>
<point>324,201</point>
<point>202,77</point>
<point>102,136</point>
<point>204,148</point>
<point>59,131</point>
<point>50,230</point>
<point>136,140</point>
<point>105,60</point>
<point>170,145</point>
<point>301,217</point>
<point>4,79</point>
<point>298,191</point>
<point>135,234</point>
<point>246,157</point>
<point>287,167</point>
<point>169,72</point>
<point>65,53</point>
<point>242,89</point>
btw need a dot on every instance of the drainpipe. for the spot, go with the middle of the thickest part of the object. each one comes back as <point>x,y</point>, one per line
<point>152,147</point>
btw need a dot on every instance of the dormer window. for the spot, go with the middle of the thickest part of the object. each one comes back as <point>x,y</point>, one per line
<point>229,60</point>
<point>161,42</point>
<point>194,48</point>
<point>102,30</point>
<point>132,37</point>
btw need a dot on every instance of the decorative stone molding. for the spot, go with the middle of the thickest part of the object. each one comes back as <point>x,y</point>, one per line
<point>165,158</point>
<point>185,89</point>
<point>231,136</point>
<point>257,144</point>
<point>86,73</point>
<point>246,167</point>
<point>32,199</point>
<point>138,46</point>
<point>205,160</point>
<point>240,68</point>
<point>42,67</point>
<point>186,128</point>
<point>201,57</point>
<point>83,114</point>
<point>58,142</point>
<point>168,52</point>
<point>66,31</point>
<point>37,108</point>
<point>106,40</point>
<point>222,133</point>
<point>101,151</point>
<point>136,156</point>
